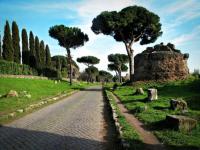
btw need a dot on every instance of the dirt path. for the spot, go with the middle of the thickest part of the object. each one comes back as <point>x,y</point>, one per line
<point>74,123</point>
<point>148,138</point>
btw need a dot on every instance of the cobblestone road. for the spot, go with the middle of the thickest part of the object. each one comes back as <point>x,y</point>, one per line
<point>75,123</point>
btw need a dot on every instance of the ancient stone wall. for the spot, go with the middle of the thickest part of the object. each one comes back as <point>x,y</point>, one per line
<point>161,62</point>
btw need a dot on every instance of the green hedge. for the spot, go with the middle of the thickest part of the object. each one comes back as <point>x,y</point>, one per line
<point>13,68</point>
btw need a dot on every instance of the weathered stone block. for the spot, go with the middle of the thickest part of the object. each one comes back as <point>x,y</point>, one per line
<point>178,104</point>
<point>152,94</point>
<point>139,91</point>
<point>181,123</point>
<point>12,93</point>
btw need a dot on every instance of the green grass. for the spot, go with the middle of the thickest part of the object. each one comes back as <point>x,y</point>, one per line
<point>157,110</point>
<point>38,89</point>
<point>128,133</point>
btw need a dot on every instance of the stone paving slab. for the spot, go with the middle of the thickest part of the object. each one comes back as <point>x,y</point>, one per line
<point>75,123</point>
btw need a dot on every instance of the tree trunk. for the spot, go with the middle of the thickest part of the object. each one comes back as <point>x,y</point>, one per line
<point>131,60</point>
<point>131,67</point>
<point>70,65</point>
<point>117,75</point>
<point>120,76</point>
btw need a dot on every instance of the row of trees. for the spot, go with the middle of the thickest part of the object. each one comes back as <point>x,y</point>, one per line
<point>130,25</point>
<point>34,52</point>
<point>91,71</point>
<point>118,64</point>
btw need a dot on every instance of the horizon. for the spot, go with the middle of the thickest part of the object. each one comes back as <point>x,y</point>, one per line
<point>180,25</point>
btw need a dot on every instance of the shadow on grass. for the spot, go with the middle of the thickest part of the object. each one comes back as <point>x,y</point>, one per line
<point>144,100</point>
<point>161,108</point>
<point>193,102</point>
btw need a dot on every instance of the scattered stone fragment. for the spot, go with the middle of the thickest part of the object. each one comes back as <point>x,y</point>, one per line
<point>20,110</point>
<point>181,123</point>
<point>139,91</point>
<point>12,114</point>
<point>28,109</point>
<point>55,98</point>
<point>178,104</point>
<point>23,93</point>
<point>152,94</point>
<point>28,95</point>
<point>12,93</point>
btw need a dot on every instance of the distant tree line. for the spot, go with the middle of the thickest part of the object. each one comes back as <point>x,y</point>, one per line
<point>33,52</point>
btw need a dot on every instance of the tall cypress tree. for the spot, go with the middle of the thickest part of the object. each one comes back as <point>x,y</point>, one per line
<point>42,53</point>
<point>7,43</point>
<point>0,48</point>
<point>37,50</point>
<point>48,56</point>
<point>15,42</point>
<point>32,58</point>
<point>25,50</point>
<point>31,43</point>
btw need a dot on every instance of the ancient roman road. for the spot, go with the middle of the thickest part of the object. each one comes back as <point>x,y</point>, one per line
<point>74,123</point>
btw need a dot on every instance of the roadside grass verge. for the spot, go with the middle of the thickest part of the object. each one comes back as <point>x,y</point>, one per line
<point>157,110</point>
<point>37,88</point>
<point>129,135</point>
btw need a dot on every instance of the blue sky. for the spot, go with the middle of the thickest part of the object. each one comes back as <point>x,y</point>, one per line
<point>180,24</point>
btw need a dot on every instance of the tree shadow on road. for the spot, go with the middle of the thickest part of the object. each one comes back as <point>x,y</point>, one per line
<point>23,139</point>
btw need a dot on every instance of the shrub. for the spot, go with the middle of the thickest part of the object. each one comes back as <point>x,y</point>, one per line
<point>13,68</point>
<point>115,86</point>
<point>48,72</point>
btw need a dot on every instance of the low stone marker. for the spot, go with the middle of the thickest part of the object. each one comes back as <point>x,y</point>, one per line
<point>139,91</point>
<point>180,123</point>
<point>12,93</point>
<point>178,104</point>
<point>20,110</point>
<point>152,94</point>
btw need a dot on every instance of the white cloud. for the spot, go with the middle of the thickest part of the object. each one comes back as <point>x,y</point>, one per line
<point>183,11</point>
<point>180,6</point>
<point>44,7</point>
<point>90,8</point>
<point>186,38</point>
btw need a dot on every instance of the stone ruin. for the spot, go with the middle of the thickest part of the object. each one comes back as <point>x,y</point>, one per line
<point>161,62</point>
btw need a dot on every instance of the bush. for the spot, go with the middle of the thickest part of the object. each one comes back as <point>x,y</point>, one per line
<point>13,68</point>
<point>48,72</point>
<point>115,86</point>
